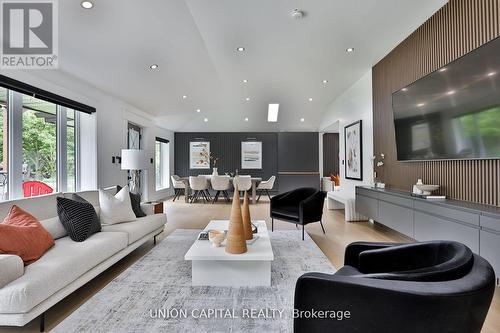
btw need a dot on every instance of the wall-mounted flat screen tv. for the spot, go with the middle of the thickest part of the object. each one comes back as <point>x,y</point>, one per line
<point>454,112</point>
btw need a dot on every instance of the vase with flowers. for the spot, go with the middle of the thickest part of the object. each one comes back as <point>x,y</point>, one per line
<point>377,163</point>
<point>212,160</point>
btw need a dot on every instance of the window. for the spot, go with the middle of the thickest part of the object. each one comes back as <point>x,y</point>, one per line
<point>162,163</point>
<point>39,150</point>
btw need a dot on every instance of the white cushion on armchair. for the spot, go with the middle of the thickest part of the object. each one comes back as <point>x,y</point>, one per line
<point>11,268</point>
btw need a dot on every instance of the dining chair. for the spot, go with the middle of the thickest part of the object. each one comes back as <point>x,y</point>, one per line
<point>199,185</point>
<point>265,186</point>
<point>242,183</point>
<point>221,184</point>
<point>179,186</point>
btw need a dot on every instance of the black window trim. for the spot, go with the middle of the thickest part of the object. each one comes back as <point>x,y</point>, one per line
<point>23,88</point>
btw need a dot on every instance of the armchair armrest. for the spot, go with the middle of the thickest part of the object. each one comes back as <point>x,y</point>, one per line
<point>353,251</point>
<point>311,209</point>
<point>384,306</point>
<point>12,268</point>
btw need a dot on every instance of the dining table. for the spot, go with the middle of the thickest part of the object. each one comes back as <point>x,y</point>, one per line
<point>255,182</point>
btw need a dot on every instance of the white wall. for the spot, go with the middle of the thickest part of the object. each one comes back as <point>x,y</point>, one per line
<point>354,104</point>
<point>111,121</point>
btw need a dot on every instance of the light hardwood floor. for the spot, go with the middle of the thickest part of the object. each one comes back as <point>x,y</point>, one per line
<point>195,216</point>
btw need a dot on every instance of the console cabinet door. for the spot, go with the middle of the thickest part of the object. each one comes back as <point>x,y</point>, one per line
<point>367,206</point>
<point>396,217</point>
<point>430,227</point>
<point>490,250</point>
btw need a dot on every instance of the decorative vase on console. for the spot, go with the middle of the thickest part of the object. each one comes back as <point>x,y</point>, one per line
<point>215,172</point>
<point>376,182</point>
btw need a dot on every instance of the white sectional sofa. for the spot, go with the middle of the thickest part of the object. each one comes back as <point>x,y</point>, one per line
<point>27,292</point>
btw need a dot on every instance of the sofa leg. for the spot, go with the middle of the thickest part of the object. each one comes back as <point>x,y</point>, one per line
<point>154,240</point>
<point>321,223</point>
<point>272,224</point>
<point>42,322</point>
<point>302,232</point>
<point>296,227</point>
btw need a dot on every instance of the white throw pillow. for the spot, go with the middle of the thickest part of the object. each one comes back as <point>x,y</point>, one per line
<point>117,208</point>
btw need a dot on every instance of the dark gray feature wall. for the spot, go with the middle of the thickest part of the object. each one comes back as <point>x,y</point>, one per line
<point>298,160</point>
<point>227,147</point>
<point>330,154</point>
<point>288,153</point>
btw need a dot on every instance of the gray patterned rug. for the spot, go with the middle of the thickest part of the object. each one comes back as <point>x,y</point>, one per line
<point>155,293</point>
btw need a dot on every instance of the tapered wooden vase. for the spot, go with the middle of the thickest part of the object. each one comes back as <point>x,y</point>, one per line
<point>247,220</point>
<point>236,242</point>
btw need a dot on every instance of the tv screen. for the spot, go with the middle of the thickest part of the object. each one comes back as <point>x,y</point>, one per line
<point>454,112</point>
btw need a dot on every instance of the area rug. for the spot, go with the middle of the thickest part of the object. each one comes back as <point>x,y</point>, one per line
<point>155,293</point>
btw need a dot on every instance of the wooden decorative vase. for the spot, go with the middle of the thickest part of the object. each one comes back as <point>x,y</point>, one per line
<point>247,220</point>
<point>236,242</point>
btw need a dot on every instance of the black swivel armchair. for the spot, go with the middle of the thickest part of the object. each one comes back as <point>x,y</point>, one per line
<point>438,286</point>
<point>301,206</point>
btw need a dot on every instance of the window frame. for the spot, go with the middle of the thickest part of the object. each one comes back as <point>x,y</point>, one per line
<point>164,167</point>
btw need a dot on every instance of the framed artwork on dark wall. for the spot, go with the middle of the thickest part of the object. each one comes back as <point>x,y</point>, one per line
<point>353,141</point>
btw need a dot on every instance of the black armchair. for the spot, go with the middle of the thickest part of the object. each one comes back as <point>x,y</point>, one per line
<point>300,206</point>
<point>438,286</point>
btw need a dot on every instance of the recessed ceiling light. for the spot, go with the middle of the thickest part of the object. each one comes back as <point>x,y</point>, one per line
<point>350,50</point>
<point>302,120</point>
<point>246,119</point>
<point>205,120</point>
<point>87,4</point>
<point>198,110</point>
<point>451,92</point>
<point>154,66</point>
<point>272,113</point>
<point>310,99</point>
<point>245,81</point>
<point>444,69</point>
<point>420,105</point>
<point>404,89</point>
<point>491,73</point>
<point>184,96</point>
<point>240,49</point>
<point>247,99</point>
<point>325,81</point>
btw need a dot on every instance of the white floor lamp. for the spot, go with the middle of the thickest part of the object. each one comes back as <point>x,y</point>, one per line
<point>135,160</point>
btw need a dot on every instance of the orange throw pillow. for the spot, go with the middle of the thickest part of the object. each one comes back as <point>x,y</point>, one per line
<point>21,234</point>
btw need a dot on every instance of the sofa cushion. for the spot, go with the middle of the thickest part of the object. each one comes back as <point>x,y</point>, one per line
<point>41,207</point>
<point>78,217</point>
<point>117,208</point>
<point>139,228</point>
<point>21,234</point>
<point>288,212</point>
<point>54,227</point>
<point>12,268</point>
<point>60,266</point>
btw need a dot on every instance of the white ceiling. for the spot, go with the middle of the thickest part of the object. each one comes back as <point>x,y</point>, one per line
<point>194,42</point>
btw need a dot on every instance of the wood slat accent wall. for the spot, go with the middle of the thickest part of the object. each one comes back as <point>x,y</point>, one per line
<point>456,29</point>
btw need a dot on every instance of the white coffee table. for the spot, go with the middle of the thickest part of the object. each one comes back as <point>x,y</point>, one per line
<point>212,266</point>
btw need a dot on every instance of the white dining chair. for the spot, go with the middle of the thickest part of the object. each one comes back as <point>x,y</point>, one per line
<point>199,186</point>
<point>221,184</point>
<point>266,186</point>
<point>242,183</point>
<point>179,186</point>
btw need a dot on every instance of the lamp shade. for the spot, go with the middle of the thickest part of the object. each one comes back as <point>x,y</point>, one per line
<point>135,159</point>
